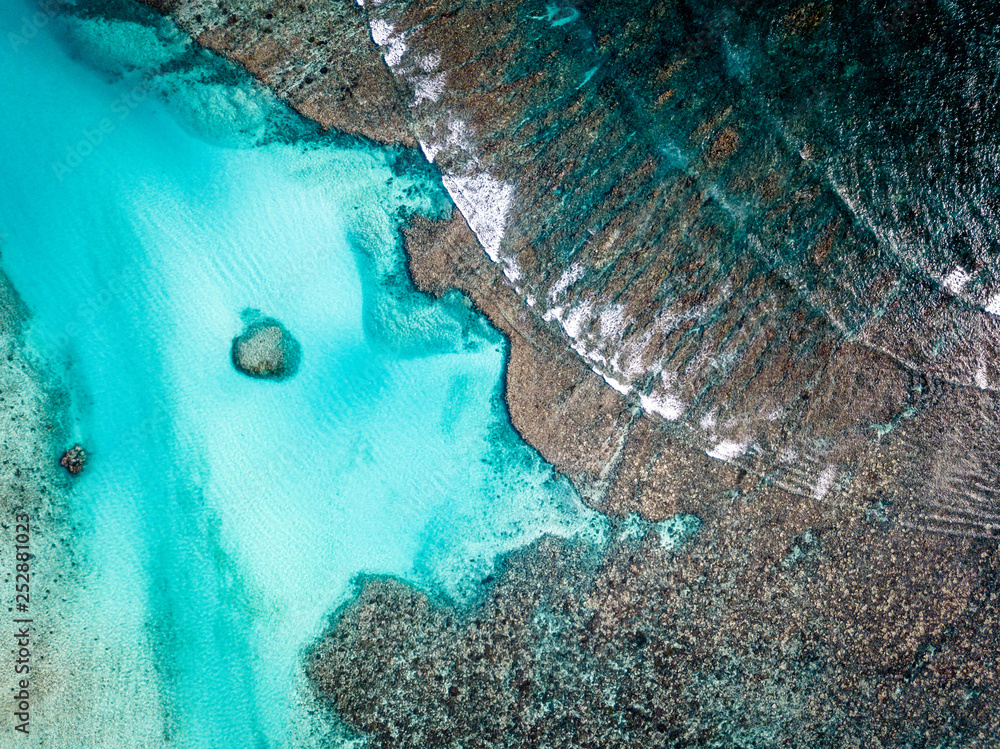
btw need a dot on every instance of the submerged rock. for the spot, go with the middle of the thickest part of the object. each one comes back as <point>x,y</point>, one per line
<point>74,459</point>
<point>265,349</point>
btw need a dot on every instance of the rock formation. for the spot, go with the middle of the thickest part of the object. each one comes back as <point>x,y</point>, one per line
<point>745,255</point>
<point>265,349</point>
<point>74,459</point>
<point>806,637</point>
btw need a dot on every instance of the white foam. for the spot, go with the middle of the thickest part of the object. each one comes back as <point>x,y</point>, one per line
<point>590,354</point>
<point>485,202</point>
<point>993,306</point>
<point>569,277</point>
<point>457,138</point>
<point>824,482</point>
<point>727,450</point>
<point>511,269</point>
<point>620,387</point>
<point>428,88</point>
<point>429,63</point>
<point>980,376</point>
<point>613,321</point>
<point>393,55</point>
<point>459,135</point>
<point>668,406</point>
<point>381,31</point>
<point>788,455</point>
<point>630,357</point>
<point>555,313</point>
<point>573,324</point>
<point>383,35</point>
<point>956,280</point>
<point>430,149</point>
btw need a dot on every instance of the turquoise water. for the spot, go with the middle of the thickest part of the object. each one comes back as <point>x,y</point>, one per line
<point>221,519</point>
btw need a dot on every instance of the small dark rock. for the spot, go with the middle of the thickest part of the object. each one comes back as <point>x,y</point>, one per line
<point>74,459</point>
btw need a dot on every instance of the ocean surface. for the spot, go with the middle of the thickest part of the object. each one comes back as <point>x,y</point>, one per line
<point>222,519</point>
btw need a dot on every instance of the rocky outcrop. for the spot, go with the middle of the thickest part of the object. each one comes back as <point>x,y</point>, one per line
<point>318,56</point>
<point>265,349</point>
<point>743,255</point>
<point>556,402</point>
<point>713,273</point>
<point>74,459</point>
<point>772,629</point>
<point>720,279</point>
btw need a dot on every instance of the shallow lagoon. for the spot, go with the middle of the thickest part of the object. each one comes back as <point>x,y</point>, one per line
<point>222,519</point>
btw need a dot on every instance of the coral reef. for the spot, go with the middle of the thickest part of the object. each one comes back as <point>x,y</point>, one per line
<point>74,459</point>
<point>265,349</point>
<point>742,252</point>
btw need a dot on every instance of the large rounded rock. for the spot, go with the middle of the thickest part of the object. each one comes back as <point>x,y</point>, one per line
<point>265,349</point>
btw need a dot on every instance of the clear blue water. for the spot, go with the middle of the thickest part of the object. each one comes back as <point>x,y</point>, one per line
<point>221,519</point>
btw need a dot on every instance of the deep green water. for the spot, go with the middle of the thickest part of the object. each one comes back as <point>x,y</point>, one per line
<point>147,202</point>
